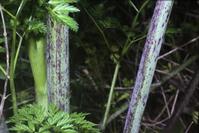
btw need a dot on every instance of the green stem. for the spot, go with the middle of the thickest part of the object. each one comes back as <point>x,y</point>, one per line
<point>138,13</point>
<point>124,51</point>
<point>128,45</point>
<point>23,2</point>
<point>18,50</point>
<point>13,56</point>
<point>101,32</point>
<point>110,95</point>
<point>38,65</point>
<point>99,28</point>
<point>10,14</point>
<point>12,83</point>
<point>3,71</point>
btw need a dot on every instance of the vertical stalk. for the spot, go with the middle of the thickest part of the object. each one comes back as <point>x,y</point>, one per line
<point>147,65</point>
<point>38,65</point>
<point>110,95</point>
<point>13,51</point>
<point>57,57</point>
<point>12,83</point>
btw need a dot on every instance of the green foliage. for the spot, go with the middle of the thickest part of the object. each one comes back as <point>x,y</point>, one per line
<point>2,70</point>
<point>36,26</point>
<point>59,10</point>
<point>195,116</point>
<point>34,118</point>
<point>2,49</point>
<point>121,24</point>
<point>1,40</point>
<point>127,82</point>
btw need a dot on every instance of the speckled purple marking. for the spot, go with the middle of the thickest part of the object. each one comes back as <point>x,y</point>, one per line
<point>147,65</point>
<point>58,65</point>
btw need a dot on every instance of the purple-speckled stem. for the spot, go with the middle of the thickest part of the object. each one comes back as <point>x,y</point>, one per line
<point>57,57</point>
<point>147,65</point>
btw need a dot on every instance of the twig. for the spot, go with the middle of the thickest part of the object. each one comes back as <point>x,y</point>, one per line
<point>133,5</point>
<point>86,72</point>
<point>7,63</point>
<point>187,130</point>
<point>174,102</point>
<point>18,49</point>
<point>157,123</point>
<point>177,64</point>
<point>104,122</point>
<point>175,49</point>
<point>2,70</point>
<point>117,113</point>
<point>164,98</point>
<point>176,71</point>
<point>100,30</point>
<point>162,111</point>
<point>183,103</point>
<point>166,103</point>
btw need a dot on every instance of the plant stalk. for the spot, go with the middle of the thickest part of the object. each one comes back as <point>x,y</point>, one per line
<point>13,51</point>
<point>147,65</point>
<point>12,69</point>
<point>38,65</point>
<point>110,95</point>
<point>57,57</point>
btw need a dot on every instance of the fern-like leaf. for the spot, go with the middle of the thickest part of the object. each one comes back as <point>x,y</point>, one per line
<point>33,118</point>
<point>60,9</point>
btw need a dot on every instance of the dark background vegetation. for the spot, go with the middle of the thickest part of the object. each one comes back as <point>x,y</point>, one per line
<point>92,64</point>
